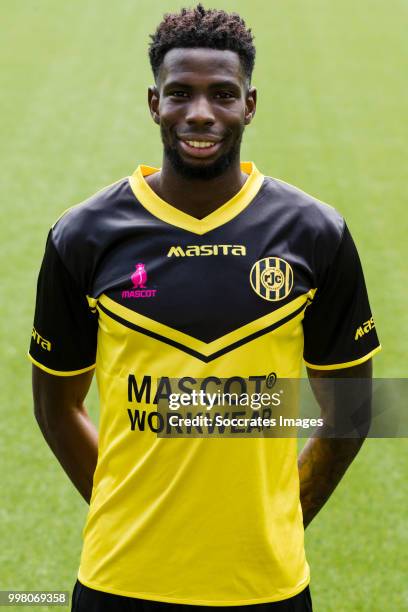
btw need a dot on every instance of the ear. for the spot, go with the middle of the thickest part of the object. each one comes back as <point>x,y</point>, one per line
<point>153,98</point>
<point>250,105</point>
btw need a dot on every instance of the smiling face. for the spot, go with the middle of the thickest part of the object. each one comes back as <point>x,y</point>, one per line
<point>202,103</point>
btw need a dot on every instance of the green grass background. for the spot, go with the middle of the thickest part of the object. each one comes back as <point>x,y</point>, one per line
<point>332,95</point>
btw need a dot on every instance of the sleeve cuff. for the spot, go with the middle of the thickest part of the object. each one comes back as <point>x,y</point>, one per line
<point>346,364</point>
<point>59,372</point>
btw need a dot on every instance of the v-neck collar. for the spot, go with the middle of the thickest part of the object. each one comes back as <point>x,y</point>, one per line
<point>168,213</point>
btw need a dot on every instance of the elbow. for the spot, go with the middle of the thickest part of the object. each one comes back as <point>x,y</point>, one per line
<point>43,403</point>
<point>362,420</point>
<point>363,431</point>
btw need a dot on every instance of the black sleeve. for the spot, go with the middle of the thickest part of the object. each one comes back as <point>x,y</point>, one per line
<point>338,326</point>
<point>63,340</point>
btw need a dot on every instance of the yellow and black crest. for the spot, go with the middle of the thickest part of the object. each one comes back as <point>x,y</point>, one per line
<point>271,278</point>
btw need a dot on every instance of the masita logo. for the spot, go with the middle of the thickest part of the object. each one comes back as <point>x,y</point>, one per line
<point>202,250</point>
<point>365,328</point>
<point>43,342</point>
<point>139,280</point>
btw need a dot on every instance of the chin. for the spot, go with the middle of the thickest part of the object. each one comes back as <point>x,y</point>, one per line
<point>200,169</point>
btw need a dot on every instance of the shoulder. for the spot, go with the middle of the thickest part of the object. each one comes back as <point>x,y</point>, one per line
<point>308,212</point>
<point>83,221</point>
<point>81,234</point>
<point>309,229</point>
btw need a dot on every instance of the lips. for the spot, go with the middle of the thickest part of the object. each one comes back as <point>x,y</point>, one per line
<point>199,147</point>
<point>200,144</point>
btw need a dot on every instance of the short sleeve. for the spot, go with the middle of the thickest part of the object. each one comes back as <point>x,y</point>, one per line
<point>339,328</point>
<point>63,340</point>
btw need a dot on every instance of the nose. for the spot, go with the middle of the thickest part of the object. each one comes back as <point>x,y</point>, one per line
<point>200,112</point>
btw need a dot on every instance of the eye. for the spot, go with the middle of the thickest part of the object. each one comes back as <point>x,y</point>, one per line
<point>225,95</point>
<point>178,94</point>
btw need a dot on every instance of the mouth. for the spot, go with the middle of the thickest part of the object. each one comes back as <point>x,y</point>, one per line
<point>200,148</point>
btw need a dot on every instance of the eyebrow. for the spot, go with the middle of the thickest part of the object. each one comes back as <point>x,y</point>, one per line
<point>231,84</point>
<point>216,85</point>
<point>174,84</point>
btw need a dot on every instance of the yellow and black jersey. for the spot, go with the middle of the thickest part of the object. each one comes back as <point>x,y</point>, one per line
<point>146,293</point>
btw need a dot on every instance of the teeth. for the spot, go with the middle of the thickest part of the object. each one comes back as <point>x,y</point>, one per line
<point>200,144</point>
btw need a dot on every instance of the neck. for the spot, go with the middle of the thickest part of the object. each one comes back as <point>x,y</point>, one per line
<point>196,197</point>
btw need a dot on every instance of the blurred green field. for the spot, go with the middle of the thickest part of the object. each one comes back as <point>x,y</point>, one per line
<point>332,95</point>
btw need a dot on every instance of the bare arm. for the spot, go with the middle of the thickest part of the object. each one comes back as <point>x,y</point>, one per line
<point>324,461</point>
<point>66,426</point>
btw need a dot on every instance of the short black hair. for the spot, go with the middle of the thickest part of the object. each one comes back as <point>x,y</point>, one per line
<point>200,27</point>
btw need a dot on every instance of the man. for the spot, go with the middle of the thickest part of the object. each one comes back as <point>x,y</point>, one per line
<point>203,270</point>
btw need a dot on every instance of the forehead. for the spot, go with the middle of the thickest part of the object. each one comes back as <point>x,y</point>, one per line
<point>198,63</point>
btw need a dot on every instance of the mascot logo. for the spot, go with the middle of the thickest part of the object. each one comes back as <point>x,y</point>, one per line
<point>139,277</point>
<point>139,280</point>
